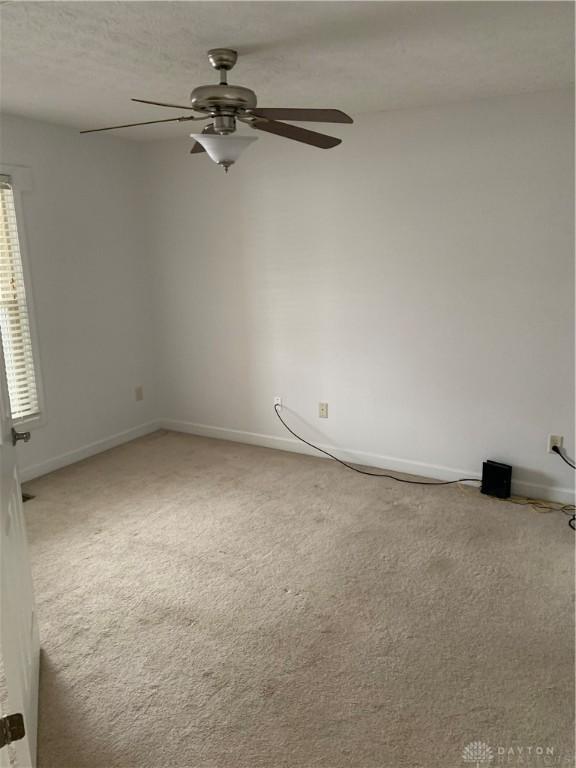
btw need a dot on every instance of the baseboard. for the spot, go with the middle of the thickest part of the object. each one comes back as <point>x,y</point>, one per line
<point>392,463</point>
<point>64,459</point>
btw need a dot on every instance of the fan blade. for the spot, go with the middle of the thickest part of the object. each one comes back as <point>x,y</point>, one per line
<point>161,104</point>
<point>298,134</point>
<point>149,122</point>
<point>303,115</point>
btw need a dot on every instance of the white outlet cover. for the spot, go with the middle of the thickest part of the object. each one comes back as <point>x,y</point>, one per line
<point>555,440</point>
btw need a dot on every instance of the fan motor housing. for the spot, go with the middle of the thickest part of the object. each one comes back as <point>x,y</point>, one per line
<point>222,98</point>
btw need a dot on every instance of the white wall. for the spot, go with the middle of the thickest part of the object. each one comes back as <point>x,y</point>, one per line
<point>90,270</point>
<point>419,278</point>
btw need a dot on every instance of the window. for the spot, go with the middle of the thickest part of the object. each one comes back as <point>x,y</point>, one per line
<point>14,318</point>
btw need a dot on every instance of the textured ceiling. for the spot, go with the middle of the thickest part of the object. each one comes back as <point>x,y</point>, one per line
<point>78,63</point>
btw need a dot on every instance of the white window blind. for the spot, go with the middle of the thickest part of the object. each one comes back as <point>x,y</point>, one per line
<point>14,320</point>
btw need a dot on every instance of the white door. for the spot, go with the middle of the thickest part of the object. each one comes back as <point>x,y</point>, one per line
<point>19,643</point>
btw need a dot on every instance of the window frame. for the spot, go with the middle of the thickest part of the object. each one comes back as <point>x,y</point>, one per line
<point>21,182</point>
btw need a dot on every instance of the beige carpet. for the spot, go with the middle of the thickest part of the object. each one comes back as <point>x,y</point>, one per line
<point>206,604</point>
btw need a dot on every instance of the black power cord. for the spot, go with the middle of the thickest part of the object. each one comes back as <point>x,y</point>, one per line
<point>572,521</point>
<point>366,472</point>
<point>559,451</point>
<point>567,509</point>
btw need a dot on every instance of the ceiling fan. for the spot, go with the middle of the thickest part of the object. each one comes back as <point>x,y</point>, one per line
<point>225,104</point>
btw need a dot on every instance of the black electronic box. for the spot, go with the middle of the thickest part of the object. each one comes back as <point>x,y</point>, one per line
<point>496,479</point>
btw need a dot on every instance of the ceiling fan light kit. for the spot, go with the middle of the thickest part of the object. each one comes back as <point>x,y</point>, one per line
<point>223,150</point>
<point>225,104</point>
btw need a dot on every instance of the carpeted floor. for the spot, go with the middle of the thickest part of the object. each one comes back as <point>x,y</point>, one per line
<point>206,604</point>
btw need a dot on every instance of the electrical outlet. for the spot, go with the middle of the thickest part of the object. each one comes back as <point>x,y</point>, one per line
<point>139,393</point>
<point>555,440</point>
<point>323,410</point>
<point>278,401</point>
